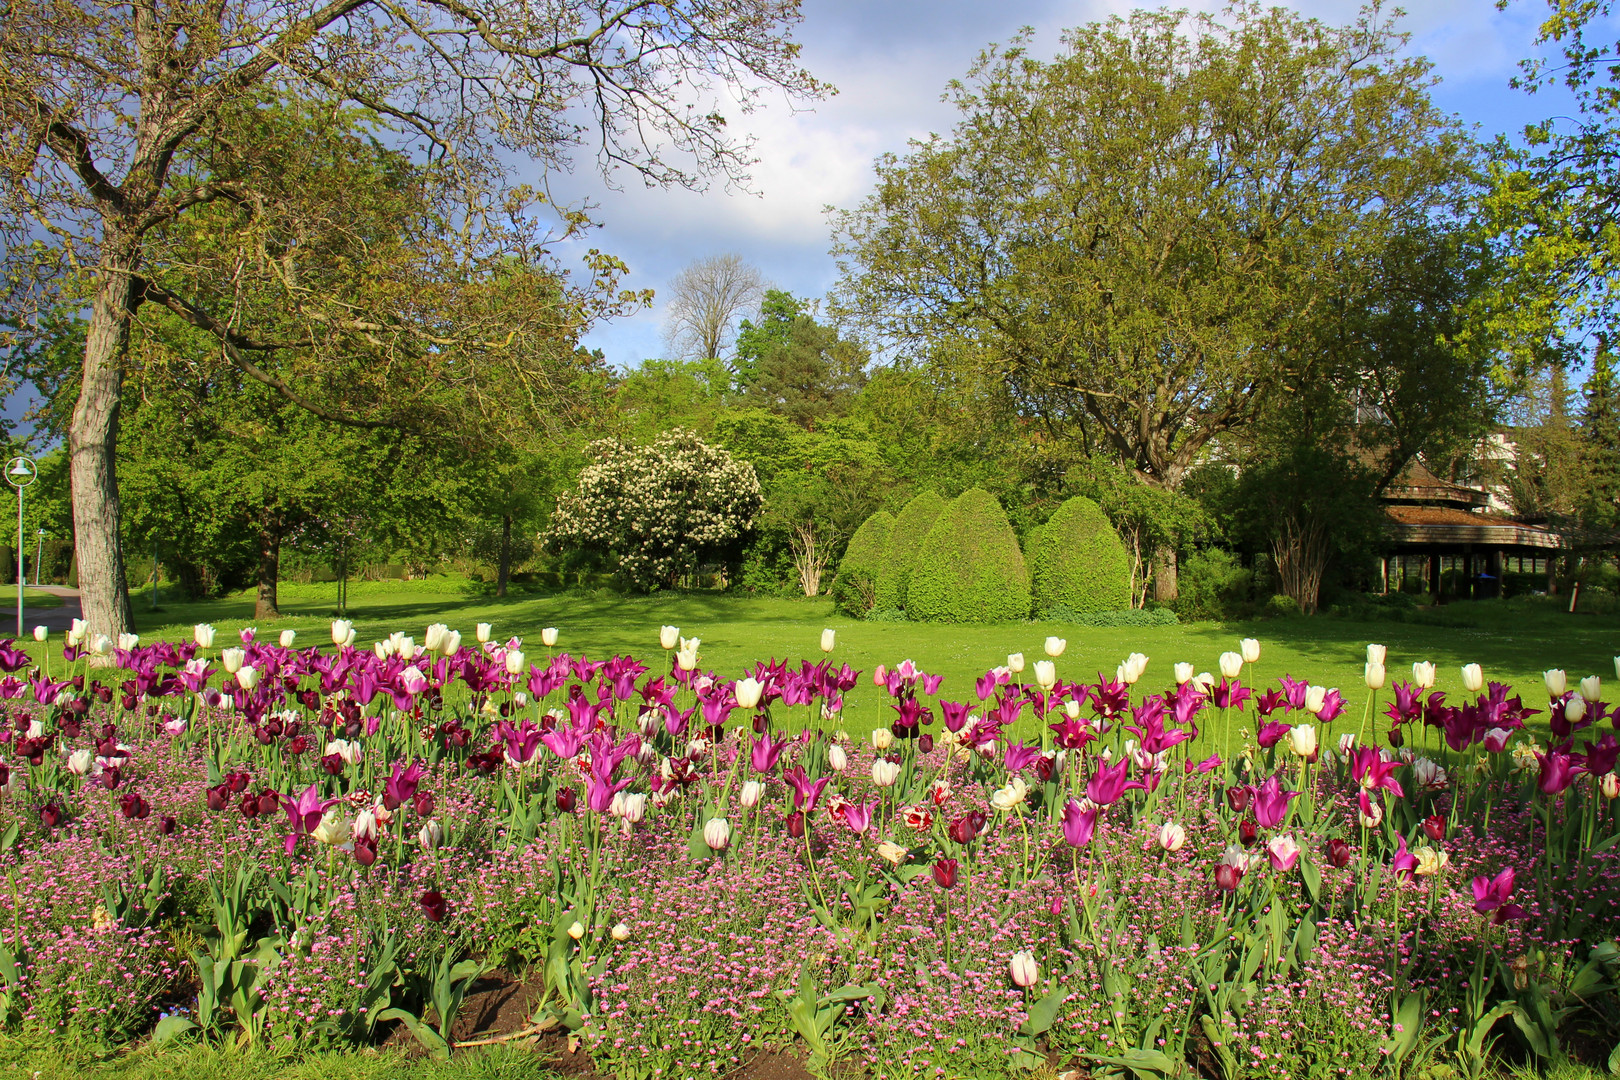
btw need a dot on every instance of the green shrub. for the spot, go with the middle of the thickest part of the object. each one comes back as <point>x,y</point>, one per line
<point>1125,617</point>
<point>905,537</point>
<point>886,615</point>
<point>855,588</point>
<point>969,568</point>
<point>1282,605</point>
<point>1077,562</point>
<point>1212,584</point>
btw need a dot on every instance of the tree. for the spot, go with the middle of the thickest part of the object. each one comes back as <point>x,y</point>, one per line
<point>1134,235</point>
<point>792,365</point>
<point>1600,436</point>
<point>118,125</point>
<point>706,299</point>
<point>659,511</point>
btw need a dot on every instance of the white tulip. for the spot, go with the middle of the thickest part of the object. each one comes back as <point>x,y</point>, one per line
<point>1315,698</point>
<point>829,638</point>
<point>247,676</point>
<point>1171,836</point>
<point>1592,688</point>
<point>1250,648</point>
<point>621,932</point>
<point>349,750</point>
<point>1203,682</point>
<point>232,659</point>
<point>1071,709</point>
<point>1556,681</point>
<point>203,635</point>
<point>1010,796</point>
<point>451,643</point>
<point>514,662</point>
<point>1055,646</point>
<point>434,636</point>
<point>717,834</point>
<point>334,828</point>
<point>748,692</point>
<point>1375,676</point>
<point>1231,664</point>
<point>42,633</point>
<point>548,637</point>
<point>365,824</point>
<point>1045,674</point>
<point>669,636</point>
<point>342,632</point>
<point>885,773</point>
<point>837,758</point>
<point>1473,677</point>
<point>432,835</point>
<point>1617,667</point>
<point>1135,665</point>
<point>128,641</point>
<point>1302,740</point>
<point>79,762</point>
<point>882,738</point>
<point>752,792</point>
<point>1184,673</point>
<point>101,644</point>
<point>634,807</point>
<point>1423,674</point>
<point>1574,709</point>
<point>1377,654</point>
<point>1023,969</point>
<point>348,639</point>
<point>1015,663</point>
<point>288,637</point>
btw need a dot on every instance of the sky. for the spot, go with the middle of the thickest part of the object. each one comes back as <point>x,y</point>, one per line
<point>891,61</point>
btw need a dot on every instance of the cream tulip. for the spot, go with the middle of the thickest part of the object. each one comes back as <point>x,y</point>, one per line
<point>1171,836</point>
<point>1015,663</point>
<point>1473,677</point>
<point>1023,970</point>
<point>882,738</point>
<point>342,632</point>
<point>247,676</point>
<point>1302,740</point>
<point>1315,698</point>
<point>1231,664</point>
<point>748,692</point>
<point>1055,646</point>
<point>451,643</point>
<point>334,828</point>
<point>1375,676</point>
<point>482,631</point>
<point>1592,688</point>
<point>885,773</point>
<point>1045,674</point>
<point>837,758</point>
<point>1377,654</point>
<point>1184,673</point>
<point>431,835</point>
<point>717,834</point>
<point>1556,681</point>
<point>1250,648</point>
<point>752,791</point>
<point>1423,674</point>
<point>287,638</point>
<point>203,635</point>
<point>515,662</point>
<point>620,932</point>
<point>669,636</point>
<point>42,633</point>
<point>829,638</point>
<point>548,637</point>
<point>576,930</point>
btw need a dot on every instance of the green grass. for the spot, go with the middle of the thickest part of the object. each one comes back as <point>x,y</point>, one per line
<point>53,1061</point>
<point>1514,640</point>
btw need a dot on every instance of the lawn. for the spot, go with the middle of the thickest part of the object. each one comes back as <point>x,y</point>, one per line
<point>1513,640</point>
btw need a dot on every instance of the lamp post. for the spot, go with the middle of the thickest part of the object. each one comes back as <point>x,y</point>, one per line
<point>20,472</point>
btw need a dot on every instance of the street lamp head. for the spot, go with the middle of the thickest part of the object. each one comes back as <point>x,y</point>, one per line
<point>19,468</point>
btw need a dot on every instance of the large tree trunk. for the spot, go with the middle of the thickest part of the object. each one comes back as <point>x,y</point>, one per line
<point>269,566</point>
<point>93,450</point>
<point>503,571</point>
<point>1164,575</point>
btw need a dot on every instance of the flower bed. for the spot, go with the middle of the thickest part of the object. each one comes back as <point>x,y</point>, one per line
<point>293,847</point>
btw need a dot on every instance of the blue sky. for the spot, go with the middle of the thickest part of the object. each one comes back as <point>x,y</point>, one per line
<point>891,61</point>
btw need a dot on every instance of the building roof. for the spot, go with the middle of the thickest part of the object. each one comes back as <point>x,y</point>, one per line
<point>1451,525</point>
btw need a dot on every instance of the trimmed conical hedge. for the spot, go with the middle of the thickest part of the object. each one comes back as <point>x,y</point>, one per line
<point>910,526</point>
<point>855,587</point>
<point>969,568</point>
<point>1076,561</point>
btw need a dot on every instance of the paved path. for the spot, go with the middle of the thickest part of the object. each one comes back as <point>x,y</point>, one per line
<point>58,619</point>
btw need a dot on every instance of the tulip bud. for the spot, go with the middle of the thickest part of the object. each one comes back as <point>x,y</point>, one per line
<point>795,825</point>
<point>1375,676</point>
<point>828,640</point>
<point>717,834</point>
<point>945,873</point>
<point>548,637</point>
<point>1555,680</point>
<point>1609,785</point>
<point>1315,698</point>
<point>1171,836</point>
<point>1015,663</point>
<point>885,773</point>
<point>882,738</point>
<point>1574,709</point>
<point>232,659</point>
<point>1184,673</point>
<point>1055,647</point>
<point>1045,674</point>
<point>576,930</point>
<point>42,633</point>
<point>1227,877</point>
<point>1135,665</point>
<point>515,662</point>
<point>1250,648</point>
<point>203,635</point>
<point>1617,667</point>
<point>669,636</point>
<point>1592,688</point>
<point>1338,853</point>
<point>128,641</point>
<point>1423,674</point>
<point>837,758</point>
<point>431,836</point>
<point>1231,665</point>
<point>1377,654</point>
<point>1023,969</point>
<point>247,677</point>
<point>926,744</point>
<point>1473,677</point>
<point>748,693</point>
<point>752,792</point>
<point>341,629</point>
<point>620,932</point>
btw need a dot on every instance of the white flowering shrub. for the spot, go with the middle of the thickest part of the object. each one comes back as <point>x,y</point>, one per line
<point>660,509</point>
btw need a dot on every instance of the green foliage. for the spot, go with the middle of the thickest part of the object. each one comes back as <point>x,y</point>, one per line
<point>795,367</point>
<point>969,568</point>
<point>1076,561</point>
<point>1600,438</point>
<point>1156,616</point>
<point>855,588</point>
<point>911,524</point>
<point>1213,585</point>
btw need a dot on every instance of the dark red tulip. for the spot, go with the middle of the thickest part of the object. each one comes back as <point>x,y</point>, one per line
<point>51,815</point>
<point>966,827</point>
<point>433,905</point>
<point>299,745</point>
<point>423,804</point>
<point>1239,798</point>
<point>237,782</point>
<point>945,873</point>
<point>269,801</point>
<point>1338,853</point>
<point>110,776</point>
<point>1227,877</point>
<point>1434,826</point>
<point>365,852</point>
<point>926,744</point>
<point>249,806</point>
<point>1396,738</point>
<point>332,763</point>
<point>133,806</point>
<point>1247,833</point>
<point>218,797</point>
<point>795,824</point>
<point>167,824</point>
<point>567,799</point>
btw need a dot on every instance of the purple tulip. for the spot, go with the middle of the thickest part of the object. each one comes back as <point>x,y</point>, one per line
<point>765,753</point>
<point>806,792</point>
<point>400,786</point>
<point>858,816</point>
<point>1492,895</point>
<point>1558,771</point>
<point>1078,825</point>
<point>1404,861</point>
<point>1108,783</point>
<point>1271,803</point>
